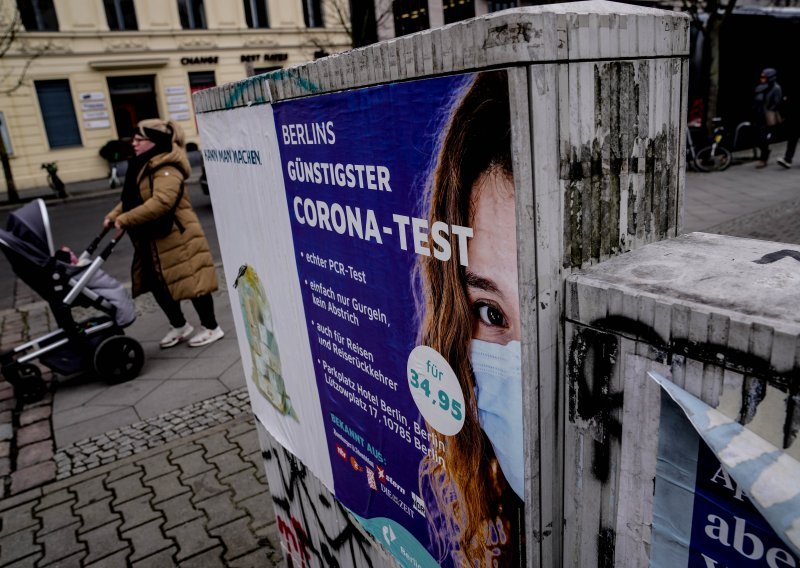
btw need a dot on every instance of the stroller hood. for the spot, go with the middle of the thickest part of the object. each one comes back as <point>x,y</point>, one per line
<point>31,224</point>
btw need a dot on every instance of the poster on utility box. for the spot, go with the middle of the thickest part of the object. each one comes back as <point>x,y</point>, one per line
<point>369,242</point>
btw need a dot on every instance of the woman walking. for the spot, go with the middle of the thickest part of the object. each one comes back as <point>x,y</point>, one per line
<point>172,258</point>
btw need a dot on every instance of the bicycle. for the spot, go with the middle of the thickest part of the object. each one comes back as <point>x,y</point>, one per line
<point>713,158</point>
<point>54,181</point>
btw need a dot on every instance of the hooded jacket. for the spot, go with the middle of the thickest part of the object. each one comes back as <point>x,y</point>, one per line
<point>182,260</point>
<point>768,96</point>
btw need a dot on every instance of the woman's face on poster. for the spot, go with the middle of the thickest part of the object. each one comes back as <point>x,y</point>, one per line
<point>492,272</point>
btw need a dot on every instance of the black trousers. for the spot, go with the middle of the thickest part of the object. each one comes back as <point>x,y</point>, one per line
<point>203,305</point>
<point>792,134</point>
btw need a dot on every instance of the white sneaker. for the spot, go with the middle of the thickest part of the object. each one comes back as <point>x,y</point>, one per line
<point>176,335</point>
<point>206,336</point>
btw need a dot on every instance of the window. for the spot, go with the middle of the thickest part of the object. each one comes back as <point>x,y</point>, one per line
<point>58,113</point>
<point>255,12</point>
<point>199,80</point>
<point>457,10</point>
<point>410,16</point>
<point>312,14</point>
<point>38,15</point>
<point>497,6</point>
<point>193,14</point>
<point>121,15</point>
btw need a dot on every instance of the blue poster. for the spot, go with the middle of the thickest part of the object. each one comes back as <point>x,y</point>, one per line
<point>701,517</point>
<point>401,202</point>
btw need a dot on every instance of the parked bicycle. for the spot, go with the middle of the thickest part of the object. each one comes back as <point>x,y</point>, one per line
<point>712,158</point>
<point>53,180</point>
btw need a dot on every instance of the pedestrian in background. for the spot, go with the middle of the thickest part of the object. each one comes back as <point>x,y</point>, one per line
<point>766,115</point>
<point>172,258</point>
<point>791,125</point>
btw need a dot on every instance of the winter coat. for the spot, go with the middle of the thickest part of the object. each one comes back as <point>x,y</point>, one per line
<point>768,96</point>
<point>182,260</point>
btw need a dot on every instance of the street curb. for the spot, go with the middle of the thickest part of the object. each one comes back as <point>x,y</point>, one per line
<point>51,200</point>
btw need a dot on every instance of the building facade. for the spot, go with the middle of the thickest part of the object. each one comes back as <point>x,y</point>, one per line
<point>80,73</point>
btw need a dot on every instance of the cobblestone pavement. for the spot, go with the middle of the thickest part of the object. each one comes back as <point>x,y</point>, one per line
<point>142,436</point>
<point>197,501</point>
<point>779,223</point>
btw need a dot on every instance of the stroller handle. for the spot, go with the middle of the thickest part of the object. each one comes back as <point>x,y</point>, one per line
<point>87,275</point>
<point>87,254</point>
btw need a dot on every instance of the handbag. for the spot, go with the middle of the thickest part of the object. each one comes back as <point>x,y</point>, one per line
<point>773,117</point>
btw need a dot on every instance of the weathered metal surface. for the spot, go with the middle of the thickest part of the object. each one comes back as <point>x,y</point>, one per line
<point>719,316</point>
<point>589,30</point>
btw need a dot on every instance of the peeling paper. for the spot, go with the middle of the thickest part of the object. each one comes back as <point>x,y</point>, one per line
<point>767,475</point>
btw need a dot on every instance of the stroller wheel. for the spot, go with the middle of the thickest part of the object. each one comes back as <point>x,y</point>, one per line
<point>28,383</point>
<point>118,358</point>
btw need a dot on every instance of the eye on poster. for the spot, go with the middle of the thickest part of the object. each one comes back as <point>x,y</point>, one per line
<point>372,237</point>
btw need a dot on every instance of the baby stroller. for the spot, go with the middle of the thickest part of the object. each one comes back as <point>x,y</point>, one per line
<point>95,344</point>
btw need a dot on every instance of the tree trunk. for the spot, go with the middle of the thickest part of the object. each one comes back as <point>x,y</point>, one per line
<point>11,187</point>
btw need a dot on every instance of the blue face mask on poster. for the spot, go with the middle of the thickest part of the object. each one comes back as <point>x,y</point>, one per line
<point>498,379</point>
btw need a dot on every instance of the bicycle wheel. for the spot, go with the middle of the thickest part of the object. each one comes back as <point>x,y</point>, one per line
<point>714,158</point>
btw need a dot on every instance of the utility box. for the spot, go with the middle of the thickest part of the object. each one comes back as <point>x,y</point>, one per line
<point>683,382</point>
<point>396,224</point>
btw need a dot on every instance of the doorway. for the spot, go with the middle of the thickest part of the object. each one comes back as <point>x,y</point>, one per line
<point>133,98</point>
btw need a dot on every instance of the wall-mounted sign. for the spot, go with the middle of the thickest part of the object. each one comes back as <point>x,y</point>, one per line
<point>94,124</point>
<point>93,114</point>
<point>200,60</point>
<point>177,107</point>
<point>255,57</point>
<point>176,99</point>
<point>177,90</point>
<point>92,96</point>
<point>92,105</point>
<point>180,116</point>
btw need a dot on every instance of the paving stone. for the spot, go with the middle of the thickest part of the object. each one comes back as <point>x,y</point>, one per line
<point>206,559</point>
<point>204,486</point>
<point>57,517</point>
<point>5,467</point>
<point>54,498</point>
<point>96,515</point>
<point>178,510</point>
<point>33,476</point>
<point>5,417</point>
<point>259,508</point>
<point>137,512</point>
<point>35,453</point>
<point>69,561</point>
<point>6,431</point>
<point>117,559</point>
<point>192,464</point>
<point>103,541</point>
<point>167,486</point>
<point>237,538</point>
<point>229,463</point>
<point>244,484</point>
<point>156,466</point>
<point>146,540</point>
<point>18,518</point>
<point>220,509</point>
<point>60,544</point>
<point>123,471</point>
<point>216,444</point>
<point>90,491</point>
<point>184,449</point>
<point>19,499</point>
<point>158,560</point>
<point>33,433</point>
<point>27,562</point>
<point>128,488</point>
<point>17,545</point>
<point>247,441</point>
<point>31,415</point>
<point>241,428</point>
<point>261,557</point>
<point>192,539</point>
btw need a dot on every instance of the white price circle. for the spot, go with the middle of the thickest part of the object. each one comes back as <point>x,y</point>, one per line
<point>435,390</point>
